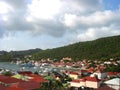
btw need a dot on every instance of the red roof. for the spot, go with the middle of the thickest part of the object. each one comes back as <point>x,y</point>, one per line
<point>2,87</point>
<point>105,88</point>
<point>91,70</point>
<point>76,81</point>
<point>83,71</point>
<point>94,79</point>
<point>27,85</point>
<point>37,78</point>
<point>112,73</point>
<point>8,80</point>
<point>25,72</point>
<point>74,73</point>
<point>14,88</point>
<point>3,77</point>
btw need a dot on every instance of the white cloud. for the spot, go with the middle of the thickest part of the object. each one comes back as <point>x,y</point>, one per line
<point>71,20</point>
<point>94,33</point>
<point>5,8</point>
<point>96,19</point>
<point>44,9</point>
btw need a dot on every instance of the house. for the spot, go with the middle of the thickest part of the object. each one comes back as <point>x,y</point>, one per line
<point>6,82</point>
<point>2,87</point>
<point>24,72</point>
<point>113,83</point>
<point>22,77</point>
<point>9,80</point>
<point>77,83</point>
<point>100,74</point>
<point>105,88</point>
<point>73,75</point>
<point>90,70</point>
<point>37,78</point>
<point>84,72</point>
<point>14,88</point>
<point>27,85</point>
<point>111,74</point>
<point>90,82</point>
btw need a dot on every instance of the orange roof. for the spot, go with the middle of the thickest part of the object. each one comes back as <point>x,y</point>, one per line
<point>90,70</point>
<point>94,79</point>
<point>110,73</point>
<point>25,72</point>
<point>105,88</point>
<point>74,73</point>
<point>113,73</point>
<point>76,81</point>
<point>83,70</point>
<point>27,85</point>
<point>2,87</point>
<point>14,88</point>
<point>8,80</point>
<point>37,78</point>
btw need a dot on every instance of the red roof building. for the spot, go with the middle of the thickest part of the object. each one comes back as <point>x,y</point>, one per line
<point>93,79</point>
<point>14,88</point>
<point>105,88</point>
<point>27,85</point>
<point>91,70</point>
<point>9,80</point>
<point>37,78</point>
<point>73,75</point>
<point>2,87</point>
<point>112,73</point>
<point>25,72</point>
<point>91,82</point>
<point>76,81</point>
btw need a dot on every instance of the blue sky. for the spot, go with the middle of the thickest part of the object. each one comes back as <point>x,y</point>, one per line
<point>29,24</point>
<point>112,4</point>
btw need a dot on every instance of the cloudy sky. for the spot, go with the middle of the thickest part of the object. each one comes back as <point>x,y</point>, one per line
<point>29,24</point>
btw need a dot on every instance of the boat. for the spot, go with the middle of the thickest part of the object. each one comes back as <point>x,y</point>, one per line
<point>29,64</point>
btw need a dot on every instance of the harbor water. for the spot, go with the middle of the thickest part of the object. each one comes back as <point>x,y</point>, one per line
<point>15,67</point>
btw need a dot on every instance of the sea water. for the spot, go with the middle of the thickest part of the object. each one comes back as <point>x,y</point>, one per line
<point>14,67</point>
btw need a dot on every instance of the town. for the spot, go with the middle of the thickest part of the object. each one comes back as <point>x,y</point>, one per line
<point>65,74</point>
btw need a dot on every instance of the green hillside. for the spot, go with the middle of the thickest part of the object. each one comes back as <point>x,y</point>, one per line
<point>13,55</point>
<point>103,48</point>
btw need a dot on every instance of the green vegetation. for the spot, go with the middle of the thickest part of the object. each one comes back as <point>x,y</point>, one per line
<point>56,84</point>
<point>104,48</point>
<point>14,55</point>
<point>100,49</point>
<point>7,73</point>
<point>113,68</point>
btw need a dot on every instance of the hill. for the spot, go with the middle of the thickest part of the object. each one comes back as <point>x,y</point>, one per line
<point>103,48</point>
<point>12,55</point>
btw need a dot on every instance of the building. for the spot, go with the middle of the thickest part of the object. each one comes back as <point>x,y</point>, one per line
<point>73,75</point>
<point>90,82</point>
<point>113,83</point>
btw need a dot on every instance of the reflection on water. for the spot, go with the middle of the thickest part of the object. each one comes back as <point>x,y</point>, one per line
<point>14,67</point>
<point>11,66</point>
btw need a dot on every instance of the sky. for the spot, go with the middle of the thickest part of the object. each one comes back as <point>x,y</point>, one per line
<point>46,24</point>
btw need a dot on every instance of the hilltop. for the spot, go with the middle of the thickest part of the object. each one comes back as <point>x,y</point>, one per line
<point>13,55</point>
<point>103,48</point>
